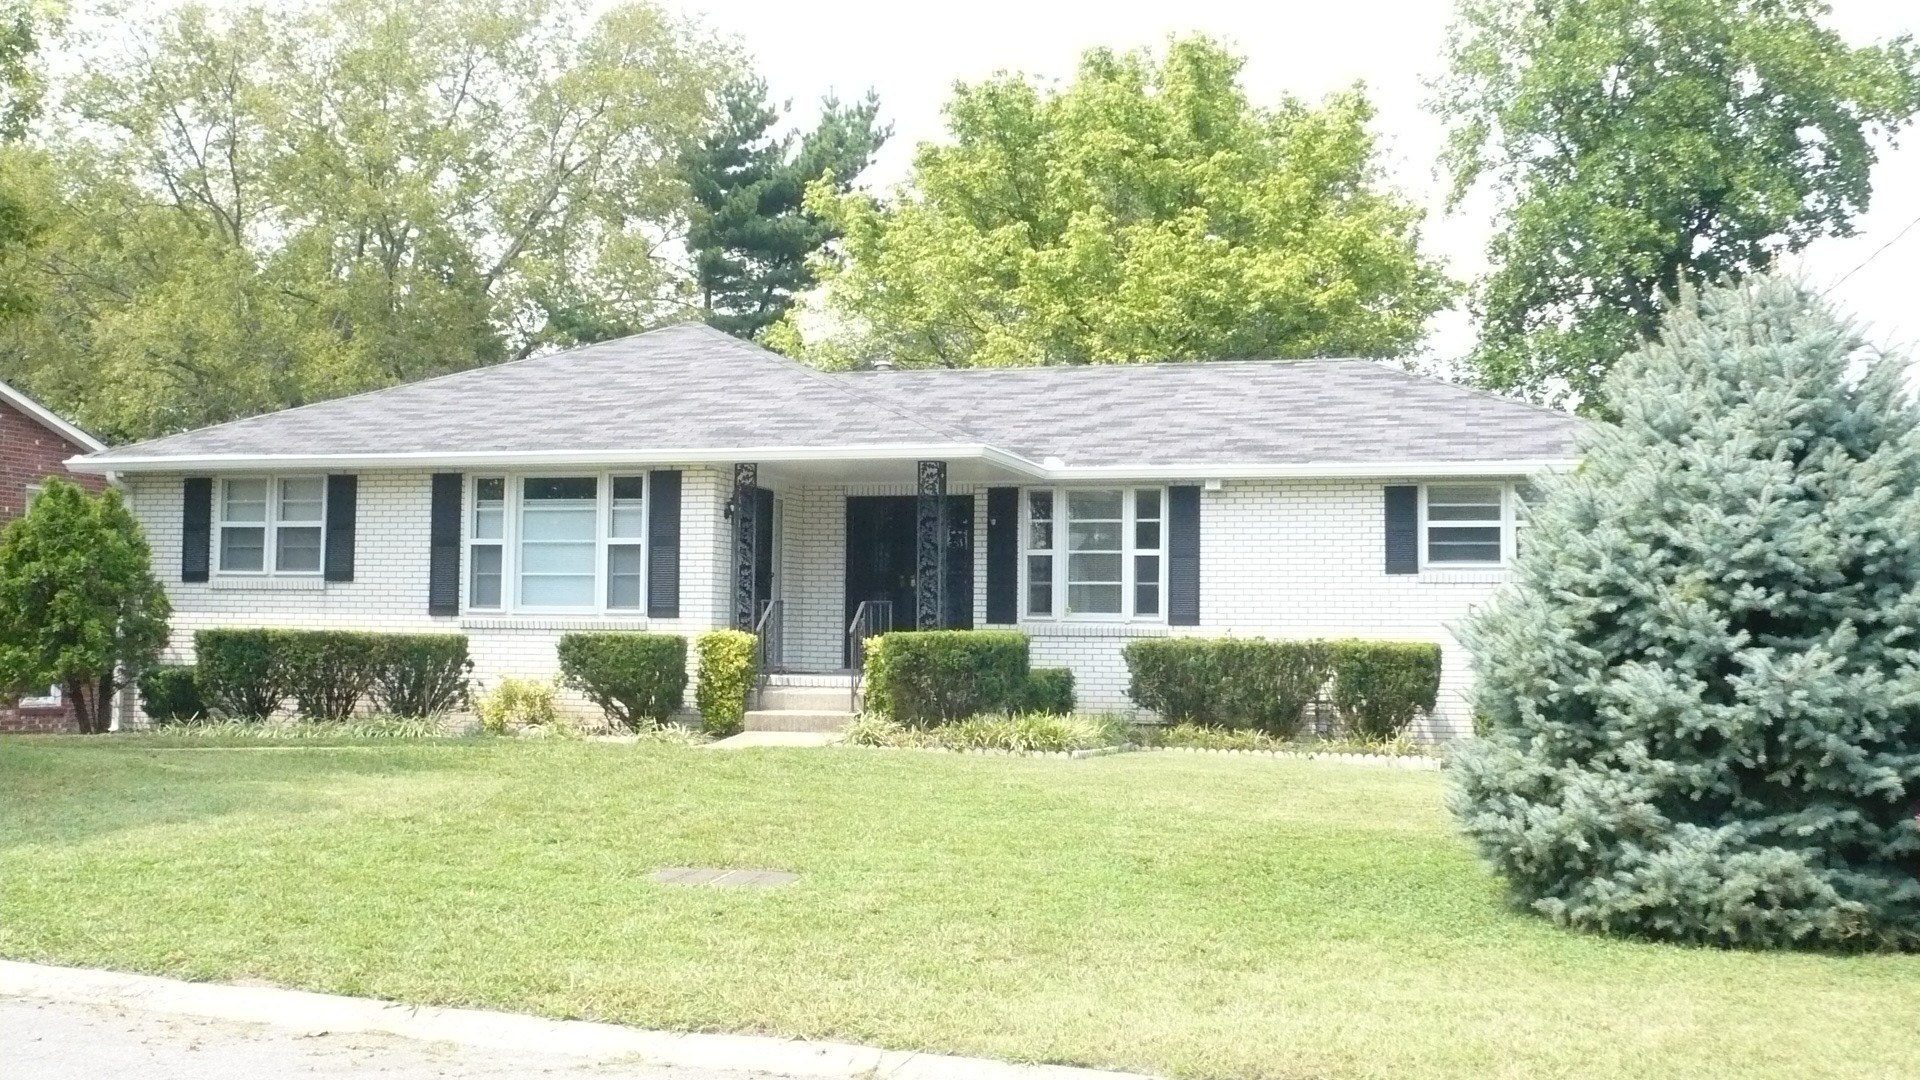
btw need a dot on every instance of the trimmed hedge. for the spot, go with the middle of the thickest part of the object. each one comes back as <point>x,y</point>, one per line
<point>1377,687</point>
<point>328,672</point>
<point>238,673</point>
<point>249,674</point>
<point>726,670</point>
<point>1049,691</point>
<point>923,677</point>
<point>421,674</point>
<point>168,694</point>
<point>637,679</point>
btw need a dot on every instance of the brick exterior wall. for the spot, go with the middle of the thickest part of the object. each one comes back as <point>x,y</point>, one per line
<point>29,453</point>
<point>1293,558</point>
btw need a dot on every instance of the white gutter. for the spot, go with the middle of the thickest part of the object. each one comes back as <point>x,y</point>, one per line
<point>1014,463</point>
<point>477,459</point>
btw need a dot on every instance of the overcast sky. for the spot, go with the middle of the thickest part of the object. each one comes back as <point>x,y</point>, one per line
<point>912,53</point>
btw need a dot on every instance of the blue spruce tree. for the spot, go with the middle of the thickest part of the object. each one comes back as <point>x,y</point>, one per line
<point>1702,695</point>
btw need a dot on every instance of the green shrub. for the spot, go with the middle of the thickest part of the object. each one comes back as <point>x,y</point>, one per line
<point>420,674</point>
<point>1379,686</point>
<point>1174,677</point>
<point>168,694</point>
<point>516,703</point>
<point>238,673</point>
<point>1049,690</point>
<point>326,671</point>
<point>1230,682</point>
<point>1015,732</point>
<point>725,675</point>
<point>638,680</point>
<point>939,676</point>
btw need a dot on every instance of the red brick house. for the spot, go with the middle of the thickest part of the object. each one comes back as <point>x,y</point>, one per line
<point>35,444</point>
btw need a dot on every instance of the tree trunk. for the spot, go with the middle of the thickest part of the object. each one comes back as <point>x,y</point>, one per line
<point>92,704</point>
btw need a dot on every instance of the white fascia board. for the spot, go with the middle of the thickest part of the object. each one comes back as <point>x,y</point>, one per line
<point>48,420</point>
<point>1313,470</point>
<point>492,459</point>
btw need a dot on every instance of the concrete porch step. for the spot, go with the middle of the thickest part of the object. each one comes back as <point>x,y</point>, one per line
<point>808,698</point>
<point>796,720</point>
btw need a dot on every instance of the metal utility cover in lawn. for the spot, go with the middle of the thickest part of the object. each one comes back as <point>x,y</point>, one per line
<point>708,875</point>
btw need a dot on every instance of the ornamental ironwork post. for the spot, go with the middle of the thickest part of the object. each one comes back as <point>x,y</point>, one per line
<point>746,534</point>
<point>930,548</point>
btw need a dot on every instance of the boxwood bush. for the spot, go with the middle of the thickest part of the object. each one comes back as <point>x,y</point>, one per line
<point>637,679</point>
<point>923,677</point>
<point>1377,687</point>
<point>249,674</point>
<point>1049,691</point>
<point>239,674</point>
<point>726,669</point>
<point>168,694</point>
<point>421,674</point>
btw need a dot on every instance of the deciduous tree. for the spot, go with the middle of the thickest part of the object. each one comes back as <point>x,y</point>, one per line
<point>79,606</point>
<point>1147,211</point>
<point>1636,145</point>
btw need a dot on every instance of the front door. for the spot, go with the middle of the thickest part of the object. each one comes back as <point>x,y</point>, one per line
<point>881,563</point>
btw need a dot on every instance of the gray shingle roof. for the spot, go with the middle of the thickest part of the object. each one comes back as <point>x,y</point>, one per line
<point>691,388</point>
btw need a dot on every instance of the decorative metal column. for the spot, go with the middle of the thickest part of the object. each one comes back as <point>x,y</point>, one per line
<point>746,534</point>
<point>930,548</point>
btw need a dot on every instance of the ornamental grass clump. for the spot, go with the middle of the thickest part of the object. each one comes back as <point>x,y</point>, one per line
<point>1702,696</point>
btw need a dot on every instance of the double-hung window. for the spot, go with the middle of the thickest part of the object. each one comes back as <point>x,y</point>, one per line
<point>1095,552</point>
<point>626,531</point>
<point>487,542</point>
<point>557,543</point>
<point>1474,524</point>
<point>272,525</point>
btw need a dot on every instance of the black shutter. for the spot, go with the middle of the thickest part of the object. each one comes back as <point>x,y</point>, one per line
<point>1003,556</point>
<point>342,499</point>
<point>196,527</point>
<point>1183,556</point>
<point>1403,529</point>
<point>443,558</point>
<point>663,546</point>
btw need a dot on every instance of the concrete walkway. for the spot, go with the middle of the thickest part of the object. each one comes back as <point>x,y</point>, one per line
<point>122,1010</point>
<point>747,740</point>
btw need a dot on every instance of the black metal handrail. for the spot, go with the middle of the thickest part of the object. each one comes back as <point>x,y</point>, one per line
<point>871,617</point>
<point>767,632</point>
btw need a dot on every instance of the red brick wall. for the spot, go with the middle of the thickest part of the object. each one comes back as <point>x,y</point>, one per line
<point>29,453</point>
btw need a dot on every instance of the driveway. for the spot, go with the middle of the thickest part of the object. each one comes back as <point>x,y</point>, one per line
<point>59,1041</point>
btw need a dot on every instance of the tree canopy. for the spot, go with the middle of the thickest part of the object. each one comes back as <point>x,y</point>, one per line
<point>1636,145</point>
<point>1147,211</point>
<point>1703,691</point>
<point>251,208</point>
<point>752,237</point>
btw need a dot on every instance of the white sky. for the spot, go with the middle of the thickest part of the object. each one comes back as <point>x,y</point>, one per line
<point>912,53</point>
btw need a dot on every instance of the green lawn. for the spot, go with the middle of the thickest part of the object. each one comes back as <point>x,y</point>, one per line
<point>1184,914</point>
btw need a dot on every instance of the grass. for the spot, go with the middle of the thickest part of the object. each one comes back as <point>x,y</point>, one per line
<point>1198,916</point>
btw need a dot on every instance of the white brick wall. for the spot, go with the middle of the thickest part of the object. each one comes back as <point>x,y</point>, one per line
<point>1278,558</point>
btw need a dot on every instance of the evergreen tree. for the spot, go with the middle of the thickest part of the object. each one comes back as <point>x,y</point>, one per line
<point>1703,693</point>
<point>751,236</point>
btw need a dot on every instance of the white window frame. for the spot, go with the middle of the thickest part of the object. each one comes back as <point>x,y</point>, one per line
<point>509,541</point>
<point>1509,525</point>
<point>270,527</point>
<point>1129,550</point>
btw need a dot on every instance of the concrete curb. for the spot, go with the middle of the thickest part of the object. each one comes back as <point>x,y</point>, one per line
<point>310,1013</point>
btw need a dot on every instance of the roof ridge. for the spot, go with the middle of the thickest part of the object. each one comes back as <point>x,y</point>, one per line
<point>1113,365</point>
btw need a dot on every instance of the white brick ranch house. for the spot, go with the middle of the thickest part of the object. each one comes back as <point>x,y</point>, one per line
<point>682,480</point>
